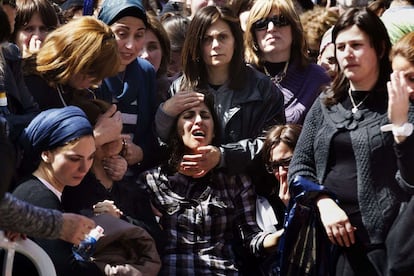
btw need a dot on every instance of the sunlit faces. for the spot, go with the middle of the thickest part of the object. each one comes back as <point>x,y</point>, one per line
<point>275,41</point>
<point>401,64</point>
<point>83,81</point>
<point>218,45</point>
<point>196,127</point>
<point>151,50</point>
<point>130,36</point>
<point>357,58</point>
<point>31,35</point>
<point>281,154</point>
<point>69,164</point>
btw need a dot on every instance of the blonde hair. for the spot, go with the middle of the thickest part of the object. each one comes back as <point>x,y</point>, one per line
<point>262,9</point>
<point>82,46</point>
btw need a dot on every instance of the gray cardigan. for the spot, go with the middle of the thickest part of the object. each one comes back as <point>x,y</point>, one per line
<point>380,162</point>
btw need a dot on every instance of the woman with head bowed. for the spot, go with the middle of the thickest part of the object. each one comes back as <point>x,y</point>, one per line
<point>59,148</point>
<point>72,61</point>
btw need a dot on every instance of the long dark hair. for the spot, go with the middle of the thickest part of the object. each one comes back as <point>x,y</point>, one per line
<point>5,30</point>
<point>175,143</point>
<point>368,22</point>
<point>194,68</point>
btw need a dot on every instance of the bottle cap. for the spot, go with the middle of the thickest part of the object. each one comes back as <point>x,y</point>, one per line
<point>97,232</point>
<point>3,98</point>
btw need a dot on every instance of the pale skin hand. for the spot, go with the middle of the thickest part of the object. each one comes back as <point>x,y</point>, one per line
<point>198,165</point>
<point>271,240</point>
<point>398,101</point>
<point>75,228</point>
<point>115,167</point>
<point>34,44</point>
<point>125,270</point>
<point>284,194</point>
<point>108,127</point>
<point>134,153</point>
<point>107,207</point>
<point>181,101</point>
<point>336,222</point>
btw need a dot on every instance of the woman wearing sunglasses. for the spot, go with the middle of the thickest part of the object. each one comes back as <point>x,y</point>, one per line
<point>246,100</point>
<point>275,45</point>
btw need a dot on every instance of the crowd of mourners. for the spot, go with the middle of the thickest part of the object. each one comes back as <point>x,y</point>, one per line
<point>240,137</point>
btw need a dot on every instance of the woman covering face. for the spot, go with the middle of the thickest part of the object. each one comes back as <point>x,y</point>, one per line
<point>402,58</point>
<point>34,20</point>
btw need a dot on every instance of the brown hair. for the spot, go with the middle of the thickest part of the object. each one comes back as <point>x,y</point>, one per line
<point>155,26</point>
<point>194,68</point>
<point>315,23</point>
<point>27,8</point>
<point>287,134</point>
<point>261,9</point>
<point>369,23</point>
<point>85,45</point>
<point>404,48</point>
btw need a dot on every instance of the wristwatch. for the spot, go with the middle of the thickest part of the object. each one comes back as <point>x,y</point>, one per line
<point>405,129</point>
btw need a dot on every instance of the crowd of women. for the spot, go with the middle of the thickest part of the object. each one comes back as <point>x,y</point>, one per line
<point>214,139</point>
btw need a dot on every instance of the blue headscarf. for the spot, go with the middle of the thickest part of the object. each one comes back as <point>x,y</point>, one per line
<point>113,10</point>
<point>51,129</point>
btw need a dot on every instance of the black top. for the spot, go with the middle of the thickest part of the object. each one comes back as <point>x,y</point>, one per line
<point>128,197</point>
<point>36,193</point>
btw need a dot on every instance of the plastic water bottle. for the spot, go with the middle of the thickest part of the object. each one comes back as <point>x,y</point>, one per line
<point>85,250</point>
<point>4,110</point>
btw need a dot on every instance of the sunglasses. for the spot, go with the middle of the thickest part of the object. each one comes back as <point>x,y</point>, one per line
<point>277,20</point>
<point>273,166</point>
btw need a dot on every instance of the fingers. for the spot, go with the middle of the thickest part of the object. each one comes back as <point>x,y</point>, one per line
<point>115,167</point>
<point>34,44</point>
<point>181,101</point>
<point>107,206</point>
<point>342,235</point>
<point>75,227</point>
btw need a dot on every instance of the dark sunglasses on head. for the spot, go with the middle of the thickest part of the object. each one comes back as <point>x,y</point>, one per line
<point>273,166</point>
<point>277,20</point>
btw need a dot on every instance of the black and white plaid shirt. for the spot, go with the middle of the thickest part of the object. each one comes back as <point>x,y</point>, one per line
<point>201,218</point>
